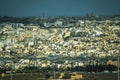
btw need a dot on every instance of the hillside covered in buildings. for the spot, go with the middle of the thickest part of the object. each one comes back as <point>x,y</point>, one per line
<point>65,43</point>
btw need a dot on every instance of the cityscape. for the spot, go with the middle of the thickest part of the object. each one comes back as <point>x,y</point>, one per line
<point>59,40</point>
<point>63,46</point>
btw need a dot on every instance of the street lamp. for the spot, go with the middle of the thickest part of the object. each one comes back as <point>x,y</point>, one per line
<point>11,77</point>
<point>118,67</point>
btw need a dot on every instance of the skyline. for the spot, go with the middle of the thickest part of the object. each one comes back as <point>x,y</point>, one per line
<point>58,7</point>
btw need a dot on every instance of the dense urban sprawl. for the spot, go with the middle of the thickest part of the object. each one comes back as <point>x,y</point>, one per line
<point>60,42</point>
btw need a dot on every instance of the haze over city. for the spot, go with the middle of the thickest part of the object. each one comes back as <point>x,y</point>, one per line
<point>58,7</point>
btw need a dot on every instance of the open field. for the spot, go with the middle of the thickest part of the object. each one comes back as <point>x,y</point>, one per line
<point>30,76</point>
<point>101,76</point>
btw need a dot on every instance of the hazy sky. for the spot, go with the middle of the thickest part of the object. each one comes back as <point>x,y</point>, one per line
<point>58,7</point>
